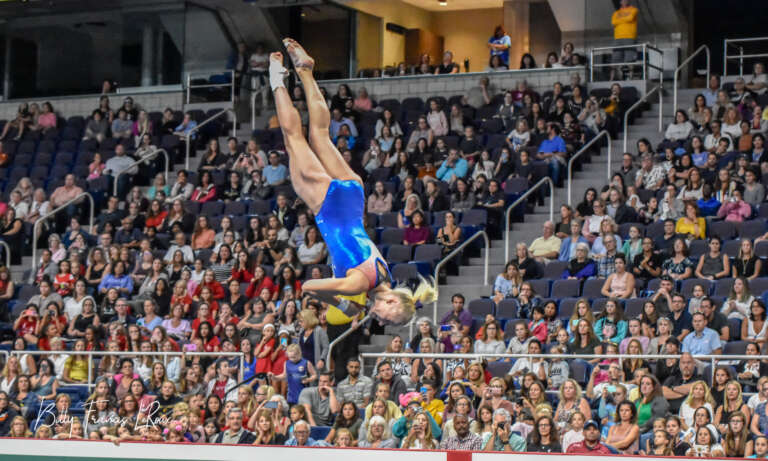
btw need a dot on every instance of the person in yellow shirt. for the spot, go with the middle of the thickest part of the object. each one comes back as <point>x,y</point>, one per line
<point>624,21</point>
<point>692,225</point>
<point>430,403</point>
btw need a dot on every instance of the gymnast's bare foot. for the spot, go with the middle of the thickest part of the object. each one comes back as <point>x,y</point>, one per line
<point>298,55</point>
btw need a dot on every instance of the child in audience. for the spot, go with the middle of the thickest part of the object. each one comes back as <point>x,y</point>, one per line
<point>576,434</point>
<point>558,368</point>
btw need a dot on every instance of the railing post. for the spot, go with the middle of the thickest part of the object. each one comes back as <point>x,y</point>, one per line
<point>90,371</point>
<point>456,251</point>
<point>188,87</point>
<point>508,211</point>
<point>592,65</point>
<point>631,109</point>
<point>253,111</point>
<point>332,344</point>
<point>232,76</point>
<point>188,134</point>
<point>725,59</point>
<point>579,153</point>
<point>645,61</point>
<point>52,213</point>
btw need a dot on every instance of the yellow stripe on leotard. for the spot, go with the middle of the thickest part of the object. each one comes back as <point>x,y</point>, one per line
<point>335,316</point>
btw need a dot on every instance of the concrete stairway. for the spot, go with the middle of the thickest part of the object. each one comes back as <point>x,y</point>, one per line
<point>594,174</point>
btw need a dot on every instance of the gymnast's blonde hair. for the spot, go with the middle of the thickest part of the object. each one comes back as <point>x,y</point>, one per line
<point>425,293</point>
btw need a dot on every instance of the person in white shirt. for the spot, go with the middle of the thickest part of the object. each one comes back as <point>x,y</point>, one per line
<point>116,165</point>
<point>758,81</point>
<point>21,207</point>
<point>681,129</point>
<point>180,244</point>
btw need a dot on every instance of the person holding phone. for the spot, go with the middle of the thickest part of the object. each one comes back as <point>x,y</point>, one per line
<point>502,438</point>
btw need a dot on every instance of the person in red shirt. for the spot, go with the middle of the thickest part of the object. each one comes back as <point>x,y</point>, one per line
<point>209,340</point>
<point>26,325</point>
<point>180,296</point>
<point>226,317</point>
<point>206,297</point>
<point>242,270</point>
<point>64,281</point>
<point>156,215</point>
<point>591,443</point>
<point>260,281</point>
<point>263,352</point>
<point>209,281</point>
<point>203,315</point>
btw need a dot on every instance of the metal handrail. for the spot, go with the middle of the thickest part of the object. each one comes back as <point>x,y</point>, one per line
<point>205,122</point>
<point>339,338</point>
<point>677,72</point>
<point>477,357</point>
<point>213,85</point>
<point>636,105</point>
<point>453,254</point>
<point>644,63</point>
<point>51,213</point>
<point>143,159</point>
<point>581,151</point>
<point>91,354</point>
<point>741,56</point>
<point>7,247</point>
<point>508,213</point>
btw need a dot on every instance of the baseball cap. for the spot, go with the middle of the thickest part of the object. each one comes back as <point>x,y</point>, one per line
<point>592,422</point>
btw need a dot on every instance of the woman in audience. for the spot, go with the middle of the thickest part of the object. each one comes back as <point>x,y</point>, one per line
<point>610,324</point>
<point>679,266</point>
<point>679,131</point>
<point>752,372</point>
<point>420,434</point>
<point>378,434</point>
<point>545,437</point>
<point>699,397</point>
<point>436,119</point>
<point>570,242</point>
<point>206,190</point>
<point>664,328</point>
<point>674,429</point>
<point>621,283</point>
<point>737,443</point>
<point>651,403</point>
<point>705,444</point>
<point>754,191</point>
<point>713,265</point>
<point>624,435</point>
<point>739,302</point>
<point>582,310</point>
<point>417,233</point>
<point>380,200</point>
<point>585,341</point>
<point>733,403</point>
<point>581,267</point>
<point>696,112</point>
<point>508,283</point>
<point>746,264</point>
<point>593,223</point>
<point>387,119</point>
<point>571,401</point>
<point>731,123</point>
<point>692,224</point>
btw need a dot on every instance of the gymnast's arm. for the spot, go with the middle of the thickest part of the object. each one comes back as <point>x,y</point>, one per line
<point>349,308</point>
<point>353,284</point>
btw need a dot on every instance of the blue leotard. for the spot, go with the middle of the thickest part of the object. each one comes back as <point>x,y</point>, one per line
<point>340,221</point>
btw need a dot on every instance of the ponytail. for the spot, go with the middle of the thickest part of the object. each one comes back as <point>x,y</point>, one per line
<point>425,293</point>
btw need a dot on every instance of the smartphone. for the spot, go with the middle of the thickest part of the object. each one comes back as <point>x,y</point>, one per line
<point>423,390</point>
<point>611,389</point>
<point>271,404</point>
<point>603,366</point>
<point>283,342</point>
<point>445,328</point>
<point>190,347</point>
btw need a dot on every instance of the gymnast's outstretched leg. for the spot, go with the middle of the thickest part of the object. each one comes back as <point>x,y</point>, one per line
<point>319,116</point>
<point>308,177</point>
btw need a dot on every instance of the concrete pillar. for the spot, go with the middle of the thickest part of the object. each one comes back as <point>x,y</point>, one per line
<point>147,55</point>
<point>517,25</point>
<point>159,56</point>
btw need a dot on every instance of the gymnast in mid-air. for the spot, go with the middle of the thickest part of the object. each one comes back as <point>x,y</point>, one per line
<point>334,193</point>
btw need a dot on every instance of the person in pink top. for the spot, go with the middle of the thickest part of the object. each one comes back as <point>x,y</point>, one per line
<point>47,118</point>
<point>735,209</point>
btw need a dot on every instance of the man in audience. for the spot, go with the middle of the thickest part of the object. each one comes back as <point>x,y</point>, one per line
<point>128,235</point>
<point>271,249</point>
<point>663,296</point>
<point>678,385</point>
<point>546,247</point>
<point>64,194</point>
<point>591,443</point>
<point>275,173</point>
<point>716,320</point>
<point>663,243</point>
<point>301,438</point>
<point>499,45</point>
<point>463,315</point>
<point>710,94</point>
<point>649,176</point>
<point>628,170</point>
<point>180,244</point>
<point>681,319</point>
<point>502,438</point>
<point>464,439</point>
<point>181,190</point>
<point>19,206</point>
<point>121,163</point>
<point>553,152</point>
<point>235,434</point>
<point>320,401</point>
<point>385,374</point>
<point>702,340</point>
<point>337,120</point>
<point>469,144</point>
<point>45,297</point>
<point>452,168</point>
<point>606,263</point>
<point>356,387</point>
